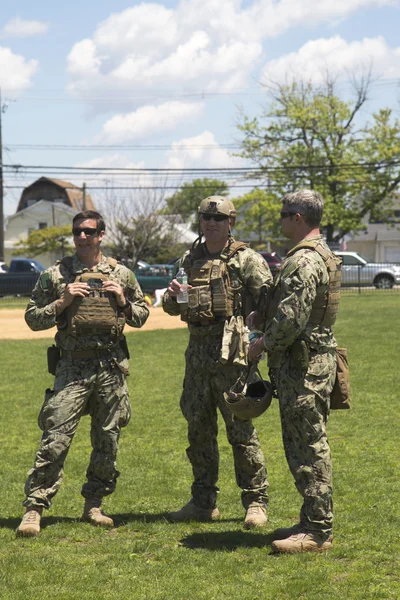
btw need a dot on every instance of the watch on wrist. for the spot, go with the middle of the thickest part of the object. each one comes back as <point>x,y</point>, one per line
<point>125,306</point>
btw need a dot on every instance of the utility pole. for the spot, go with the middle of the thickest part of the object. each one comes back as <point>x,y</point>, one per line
<point>84,196</point>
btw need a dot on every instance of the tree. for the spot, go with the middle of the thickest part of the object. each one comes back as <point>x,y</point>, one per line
<point>185,201</point>
<point>258,213</point>
<point>42,241</point>
<point>137,231</point>
<point>309,137</point>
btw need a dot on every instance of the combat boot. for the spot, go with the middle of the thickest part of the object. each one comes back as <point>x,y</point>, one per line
<point>93,514</point>
<point>284,532</point>
<point>302,542</point>
<point>191,512</point>
<point>30,524</point>
<point>256,516</point>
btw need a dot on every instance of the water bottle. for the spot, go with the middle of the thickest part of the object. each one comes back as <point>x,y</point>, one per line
<point>256,334</point>
<point>182,279</point>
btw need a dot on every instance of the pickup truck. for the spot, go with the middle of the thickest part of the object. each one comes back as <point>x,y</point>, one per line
<point>20,278</point>
<point>153,277</point>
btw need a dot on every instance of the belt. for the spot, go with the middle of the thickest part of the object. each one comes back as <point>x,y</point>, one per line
<point>80,354</point>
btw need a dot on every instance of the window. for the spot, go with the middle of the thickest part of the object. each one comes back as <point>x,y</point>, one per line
<point>42,226</point>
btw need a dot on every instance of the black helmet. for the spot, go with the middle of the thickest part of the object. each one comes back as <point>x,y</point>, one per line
<point>249,400</point>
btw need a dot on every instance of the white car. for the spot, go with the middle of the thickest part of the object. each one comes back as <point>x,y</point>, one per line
<point>3,267</point>
<point>358,271</point>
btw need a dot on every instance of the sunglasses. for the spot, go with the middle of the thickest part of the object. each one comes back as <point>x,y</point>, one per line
<point>285,215</point>
<point>86,230</point>
<point>217,218</point>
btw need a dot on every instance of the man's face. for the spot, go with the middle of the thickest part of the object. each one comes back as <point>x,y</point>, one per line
<point>88,240</point>
<point>288,221</point>
<point>215,231</point>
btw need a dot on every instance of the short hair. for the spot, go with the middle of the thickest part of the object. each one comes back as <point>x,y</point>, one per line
<point>308,203</point>
<point>91,214</point>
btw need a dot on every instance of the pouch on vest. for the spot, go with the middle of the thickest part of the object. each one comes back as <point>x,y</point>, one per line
<point>340,395</point>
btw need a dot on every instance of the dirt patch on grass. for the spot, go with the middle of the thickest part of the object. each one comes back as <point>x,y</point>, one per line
<point>13,326</point>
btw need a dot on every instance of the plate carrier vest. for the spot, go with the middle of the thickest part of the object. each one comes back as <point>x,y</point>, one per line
<point>325,306</point>
<point>212,296</point>
<point>96,314</point>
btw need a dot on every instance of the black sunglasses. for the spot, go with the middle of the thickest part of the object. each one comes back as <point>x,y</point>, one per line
<point>284,214</point>
<point>217,218</point>
<point>86,230</point>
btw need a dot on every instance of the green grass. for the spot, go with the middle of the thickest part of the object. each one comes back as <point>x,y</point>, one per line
<point>145,557</point>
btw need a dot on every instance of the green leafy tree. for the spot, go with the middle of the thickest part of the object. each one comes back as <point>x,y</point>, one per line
<point>258,217</point>
<point>185,201</point>
<point>42,241</point>
<point>308,137</point>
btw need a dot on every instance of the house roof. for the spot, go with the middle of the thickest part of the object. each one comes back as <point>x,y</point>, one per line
<point>73,192</point>
<point>379,232</point>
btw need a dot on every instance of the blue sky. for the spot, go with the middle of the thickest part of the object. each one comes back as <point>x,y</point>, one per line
<point>170,74</point>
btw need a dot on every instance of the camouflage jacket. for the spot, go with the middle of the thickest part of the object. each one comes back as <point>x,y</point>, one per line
<point>41,310</point>
<point>299,278</point>
<point>247,269</point>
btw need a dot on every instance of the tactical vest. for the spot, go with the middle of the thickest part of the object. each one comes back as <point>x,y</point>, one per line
<point>96,314</point>
<point>325,306</point>
<point>212,296</point>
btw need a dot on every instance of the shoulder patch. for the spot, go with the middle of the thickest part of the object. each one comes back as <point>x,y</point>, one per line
<point>45,280</point>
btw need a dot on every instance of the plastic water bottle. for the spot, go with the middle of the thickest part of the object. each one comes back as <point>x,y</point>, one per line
<point>182,279</point>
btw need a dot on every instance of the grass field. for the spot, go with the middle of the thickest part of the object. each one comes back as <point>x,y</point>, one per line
<point>145,557</point>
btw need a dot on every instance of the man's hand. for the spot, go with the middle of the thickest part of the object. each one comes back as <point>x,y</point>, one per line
<point>254,320</point>
<point>116,289</point>
<point>71,291</point>
<point>174,288</point>
<point>255,350</point>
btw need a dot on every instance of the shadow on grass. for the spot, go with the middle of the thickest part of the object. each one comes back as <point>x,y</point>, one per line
<point>122,519</point>
<point>227,540</point>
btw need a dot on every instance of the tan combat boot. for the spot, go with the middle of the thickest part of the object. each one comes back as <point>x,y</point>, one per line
<point>93,514</point>
<point>30,524</point>
<point>284,532</point>
<point>256,516</point>
<point>302,542</point>
<point>191,512</point>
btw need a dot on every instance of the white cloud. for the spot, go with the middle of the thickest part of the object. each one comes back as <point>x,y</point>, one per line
<point>18,27</point>
<point>15,71</point>
<point>147,120</point>
<point>200,45</point>
<point>336,56</point>
<point>199,151</point>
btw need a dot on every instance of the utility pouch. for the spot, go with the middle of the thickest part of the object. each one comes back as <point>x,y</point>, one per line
<point>53,358</point>
<point>340,395</point>
<point>299,357</point>
<point>124,347</point>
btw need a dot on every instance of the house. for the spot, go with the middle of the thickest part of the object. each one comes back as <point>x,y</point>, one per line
<point>45,203</point>
<point>380,242</point>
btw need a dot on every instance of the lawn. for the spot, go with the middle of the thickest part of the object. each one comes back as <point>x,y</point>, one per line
<point>144,556</point>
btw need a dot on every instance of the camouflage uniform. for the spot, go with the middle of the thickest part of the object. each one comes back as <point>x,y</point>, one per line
<point>95,385</point>
<point>206,379</point>
<point>304,393</point>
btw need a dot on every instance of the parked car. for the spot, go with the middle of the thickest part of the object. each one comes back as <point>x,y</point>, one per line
<point>273,260</point>
<point>3,267</point>
<point>358,271</point>
<point>153,277</point>
<point>21,277</point>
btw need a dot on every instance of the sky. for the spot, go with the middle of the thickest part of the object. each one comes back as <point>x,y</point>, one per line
<point>158,85</point>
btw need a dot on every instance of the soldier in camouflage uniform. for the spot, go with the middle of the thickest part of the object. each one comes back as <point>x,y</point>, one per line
<point>226,281</point>
<point>90,298</point>
<point>301,356</point>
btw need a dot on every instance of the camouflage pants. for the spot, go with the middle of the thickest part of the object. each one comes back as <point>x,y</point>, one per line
<point>304,408</point>
<point>204,384</point>
<point>90,385</point>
